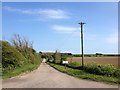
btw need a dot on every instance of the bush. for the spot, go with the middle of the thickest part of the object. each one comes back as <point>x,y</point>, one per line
<point>92,68</point>
<point>74,64</point>
<point>107,70</point>
<point>117,73</point>
<point>63,58</point>
<point>17,55</point>
<point>11,57</point>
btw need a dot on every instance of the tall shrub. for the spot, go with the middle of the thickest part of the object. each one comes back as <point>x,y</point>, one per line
<point>11,57</point>
<point>24,46</point>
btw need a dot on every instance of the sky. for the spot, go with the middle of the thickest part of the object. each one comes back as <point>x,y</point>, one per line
<point>54,25</point>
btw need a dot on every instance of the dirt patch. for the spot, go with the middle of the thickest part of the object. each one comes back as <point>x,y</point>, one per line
<point>99,60</point>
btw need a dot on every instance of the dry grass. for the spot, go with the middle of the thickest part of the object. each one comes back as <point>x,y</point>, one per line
<point>98,60</point>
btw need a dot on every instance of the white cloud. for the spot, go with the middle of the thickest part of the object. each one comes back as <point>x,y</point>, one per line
<point>112,38</point>
<point>62,51</point>
<point>49,13</point>
<point>46,51</point>
<point>55,14</point>
<point>52,51</point>
<point>64,29</point>
<point>24,11</point>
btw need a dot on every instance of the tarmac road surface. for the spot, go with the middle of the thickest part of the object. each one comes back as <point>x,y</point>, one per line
<point>47,77</point>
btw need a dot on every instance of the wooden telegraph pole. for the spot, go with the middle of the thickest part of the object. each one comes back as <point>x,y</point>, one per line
<point>82,46</point>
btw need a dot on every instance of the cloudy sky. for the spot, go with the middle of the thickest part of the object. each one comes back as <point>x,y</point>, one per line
<point>54,26</point>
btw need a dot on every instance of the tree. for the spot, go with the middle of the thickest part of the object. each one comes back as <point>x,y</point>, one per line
<point>40,52</point>
<point>24,46</point>
<point>57,57</point>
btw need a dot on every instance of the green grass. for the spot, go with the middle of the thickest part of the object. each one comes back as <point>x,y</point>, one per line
<point>84,75</point>
<point>19,70</point>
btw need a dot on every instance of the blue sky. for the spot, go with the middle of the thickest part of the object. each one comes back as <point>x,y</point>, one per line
<point>54,26</point>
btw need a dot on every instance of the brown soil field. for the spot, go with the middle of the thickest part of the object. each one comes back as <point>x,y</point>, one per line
<point>98,60</point>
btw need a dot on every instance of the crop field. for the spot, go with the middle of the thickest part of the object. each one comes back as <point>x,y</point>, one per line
<point>98,60</point>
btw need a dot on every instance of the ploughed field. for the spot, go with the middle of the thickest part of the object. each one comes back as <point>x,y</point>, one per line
<point>99,60</point>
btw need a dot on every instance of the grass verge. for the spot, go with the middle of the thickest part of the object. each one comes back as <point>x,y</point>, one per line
<point>19,70</point>
<point>84,75</point>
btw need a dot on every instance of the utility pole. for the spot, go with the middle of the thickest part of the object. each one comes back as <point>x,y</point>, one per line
<point>81,23</point>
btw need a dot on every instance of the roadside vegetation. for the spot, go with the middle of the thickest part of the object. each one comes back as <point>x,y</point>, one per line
<point>93,71</point>
<point>18,56</point>
<point>83,74</point>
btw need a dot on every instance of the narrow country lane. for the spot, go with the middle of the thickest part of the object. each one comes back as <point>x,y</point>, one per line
<point>47,77</point>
